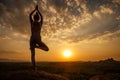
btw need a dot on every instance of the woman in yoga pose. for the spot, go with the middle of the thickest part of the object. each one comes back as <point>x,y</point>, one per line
<point>36,21</point>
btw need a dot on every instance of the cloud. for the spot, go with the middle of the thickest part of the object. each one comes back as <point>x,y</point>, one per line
<point>110,36</point>
<point>8,52</point>
<point>106,10</point>
<point>116,1</point>
<point>64,20</point>
<point>103,11</point>
<point>7,33</point>
<point>14,14</point>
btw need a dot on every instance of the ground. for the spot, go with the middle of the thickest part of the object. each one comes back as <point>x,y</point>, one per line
<point>101,70</point>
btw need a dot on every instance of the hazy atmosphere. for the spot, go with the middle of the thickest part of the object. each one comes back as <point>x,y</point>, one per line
<point>87,29</point>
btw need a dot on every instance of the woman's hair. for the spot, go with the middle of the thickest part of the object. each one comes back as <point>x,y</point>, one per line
<point>36,16</point>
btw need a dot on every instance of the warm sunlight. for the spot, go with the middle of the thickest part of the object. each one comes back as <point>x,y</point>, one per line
<point>67,53</point>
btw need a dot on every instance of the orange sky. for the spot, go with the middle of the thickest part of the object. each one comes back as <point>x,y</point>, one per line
<point>90,30</point>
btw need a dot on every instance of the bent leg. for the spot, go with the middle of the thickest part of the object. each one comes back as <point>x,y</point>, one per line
<point>43,46</point>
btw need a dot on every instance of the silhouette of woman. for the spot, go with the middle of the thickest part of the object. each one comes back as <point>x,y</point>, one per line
<point>35,40</point>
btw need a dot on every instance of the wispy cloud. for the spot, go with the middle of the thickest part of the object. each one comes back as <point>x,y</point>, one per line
<point>64,20</point>
<point>8,52</point>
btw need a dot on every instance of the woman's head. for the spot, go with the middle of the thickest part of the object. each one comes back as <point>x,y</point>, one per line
<point>36,16</point>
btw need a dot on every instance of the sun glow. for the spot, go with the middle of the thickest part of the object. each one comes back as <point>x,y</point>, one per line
<point>67,53</point>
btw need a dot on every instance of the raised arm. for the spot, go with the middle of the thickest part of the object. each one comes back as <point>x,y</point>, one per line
<point>30,16</point>
<point>40,15</point>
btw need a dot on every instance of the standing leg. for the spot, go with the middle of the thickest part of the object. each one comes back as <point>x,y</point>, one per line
<point>33,58</point>
<point>32,48</point>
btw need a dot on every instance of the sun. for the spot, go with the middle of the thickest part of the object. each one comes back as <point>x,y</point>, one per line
<point>67,53</point>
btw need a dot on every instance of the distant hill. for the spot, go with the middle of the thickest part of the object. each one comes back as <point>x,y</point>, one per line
<point>8,60</point>
<point>109,60</point>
